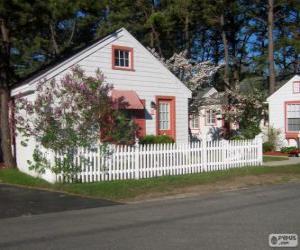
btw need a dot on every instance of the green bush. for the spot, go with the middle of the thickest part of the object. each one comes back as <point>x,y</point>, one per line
<point>156,139</point>
<point>287,150</point>
<point>268,146</point>
<point>237,137</point>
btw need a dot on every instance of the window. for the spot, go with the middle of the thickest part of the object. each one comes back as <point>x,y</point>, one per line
<point>195,121</point>
<point>164,116</point>
<point>122,58</point>
<point>293,117</point>
<point>296,86</point>
<point>210,117</point>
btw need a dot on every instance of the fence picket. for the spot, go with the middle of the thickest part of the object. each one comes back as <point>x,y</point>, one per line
<point>147,161</point>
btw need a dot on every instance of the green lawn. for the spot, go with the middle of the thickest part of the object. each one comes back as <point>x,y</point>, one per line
<point>268,158</point>
<point>120,190</point>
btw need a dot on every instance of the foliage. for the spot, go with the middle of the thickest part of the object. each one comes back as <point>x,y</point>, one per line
<point>268,147</point>
<point>287,150</point>
<point>237,137</point>
<point>156,139</point>
<point>39,163</point>
<point>68,114</point>
<point>272,135</point>
<point>121,129</point>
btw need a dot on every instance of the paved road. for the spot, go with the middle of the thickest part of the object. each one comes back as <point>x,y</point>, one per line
<point>231,220</point>
<point>17,201</point>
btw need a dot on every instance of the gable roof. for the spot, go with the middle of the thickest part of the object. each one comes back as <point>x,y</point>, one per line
<point>44,70</point>
<point>294,78</point>
<point>70,60</point>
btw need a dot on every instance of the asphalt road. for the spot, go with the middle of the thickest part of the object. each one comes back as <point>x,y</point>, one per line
<point>230,220</point>
<point>17,201</point>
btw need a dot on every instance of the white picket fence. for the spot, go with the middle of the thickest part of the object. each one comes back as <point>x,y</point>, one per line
<point>147,161</point>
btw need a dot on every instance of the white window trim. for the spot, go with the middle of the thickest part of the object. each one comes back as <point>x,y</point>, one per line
<point>193,118</point>
<point>208,118</point>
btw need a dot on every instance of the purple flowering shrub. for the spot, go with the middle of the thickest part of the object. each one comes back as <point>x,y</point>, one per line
<point>67,114</point>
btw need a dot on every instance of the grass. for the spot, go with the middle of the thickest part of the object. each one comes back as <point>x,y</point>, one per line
<point>267,158</point>
<point>128,189</point>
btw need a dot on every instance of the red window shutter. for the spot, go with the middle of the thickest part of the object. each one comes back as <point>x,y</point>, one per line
<point>140,121</point>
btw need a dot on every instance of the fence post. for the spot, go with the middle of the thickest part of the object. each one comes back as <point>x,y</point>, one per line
<point>137,162</point>
<point>204,153</point>
<point>258,139</point>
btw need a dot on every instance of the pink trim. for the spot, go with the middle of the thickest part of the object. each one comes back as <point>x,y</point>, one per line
<point>289,134</point>
<point>296,92</point>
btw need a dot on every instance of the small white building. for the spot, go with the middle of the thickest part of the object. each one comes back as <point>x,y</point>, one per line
<point>160,104</point>
<point>284,111</point>
<point>207,122</point>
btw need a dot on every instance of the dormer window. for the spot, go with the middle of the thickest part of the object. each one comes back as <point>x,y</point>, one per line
<point>122,58</point>
<point>296,86</point>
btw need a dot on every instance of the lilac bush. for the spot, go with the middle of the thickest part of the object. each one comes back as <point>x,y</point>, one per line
<point>70,113</point>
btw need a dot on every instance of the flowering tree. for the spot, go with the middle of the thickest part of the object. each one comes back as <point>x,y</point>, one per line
<point>243,109</point>
<point>195,75</point>
<point>68,114</point>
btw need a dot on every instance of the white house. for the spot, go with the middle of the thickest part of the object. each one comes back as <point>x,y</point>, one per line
<point>208,120</point>
<point>284,111</point>
<point>159,99</point>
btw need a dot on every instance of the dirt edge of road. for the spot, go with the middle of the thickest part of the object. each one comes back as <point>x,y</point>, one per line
<point>241,182</point>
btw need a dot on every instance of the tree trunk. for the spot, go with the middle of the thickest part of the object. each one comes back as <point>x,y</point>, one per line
<point>186,34</point>
<point>226,53</point>
<point>5,96</point>
<point>8,158</point>
<point>53,39</point>
<point>271,47</point>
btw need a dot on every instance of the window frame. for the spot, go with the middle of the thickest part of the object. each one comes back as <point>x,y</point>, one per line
<point>130,58</point>
<point>172,131</point>
<point>193,118</point>
<point>208,119</point>
<point>287,131</point>
<point>296,90</point>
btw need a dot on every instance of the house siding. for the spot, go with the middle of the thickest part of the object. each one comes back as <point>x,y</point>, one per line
<point>149,79</point>
<point>276,104</point>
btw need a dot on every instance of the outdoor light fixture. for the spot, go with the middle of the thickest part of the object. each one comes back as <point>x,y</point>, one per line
<point>153,105</point>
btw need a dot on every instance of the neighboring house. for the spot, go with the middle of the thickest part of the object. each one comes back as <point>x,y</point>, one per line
<point>208,120</point>
<point>158,101</point>
<point>284,111</point>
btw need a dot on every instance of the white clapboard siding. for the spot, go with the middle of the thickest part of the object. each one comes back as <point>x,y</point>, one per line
<point>148,161</point>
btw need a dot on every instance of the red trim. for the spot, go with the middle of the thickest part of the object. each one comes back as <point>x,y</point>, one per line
<point>113,48</point>
<point>289,134</point>
<point>172,131</point>
<point>140,120</point>
<point>296,92</point>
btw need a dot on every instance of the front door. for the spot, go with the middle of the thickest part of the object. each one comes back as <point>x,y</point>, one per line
<point>166,116</point>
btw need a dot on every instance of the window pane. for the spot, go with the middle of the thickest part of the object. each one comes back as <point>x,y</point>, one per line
<point>294,124</point>
<point>164,116</point>
<point>293,111</point>
<point>126,63</point>
<point>126,54</point>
